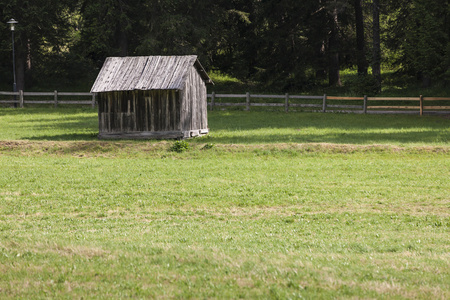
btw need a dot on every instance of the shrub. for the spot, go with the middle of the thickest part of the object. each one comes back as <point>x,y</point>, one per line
<point>363,85</point>
<point>208,146</point>
<point>180,146</point>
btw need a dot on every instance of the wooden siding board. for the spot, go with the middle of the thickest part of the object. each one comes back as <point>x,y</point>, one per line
<point>185,110</point>
<point>204,106</point>
<point>194,110</point>
<point>167,113</point>
<point>162,114</point>
<point>152,109</point>
<point>199,101</point>
<point>155,110</point>
<point>174,110</point>
<point>196,98</point>
<point>140,106</point>
<point>188,108</point>
<point>180,102</point>
<point>189,101</point>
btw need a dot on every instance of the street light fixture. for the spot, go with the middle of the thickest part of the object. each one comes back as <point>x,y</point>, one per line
<point>12,23</point>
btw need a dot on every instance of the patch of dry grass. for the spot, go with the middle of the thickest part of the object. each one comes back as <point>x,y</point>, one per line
<point>161,149</point>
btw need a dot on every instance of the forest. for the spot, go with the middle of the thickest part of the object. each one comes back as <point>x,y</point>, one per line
<point>284,45</point>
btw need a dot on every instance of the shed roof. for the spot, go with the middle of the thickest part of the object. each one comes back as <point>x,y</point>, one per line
<point>146,73</point>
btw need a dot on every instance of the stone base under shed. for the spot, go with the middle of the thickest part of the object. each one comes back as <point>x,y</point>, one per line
<point>150,135</point>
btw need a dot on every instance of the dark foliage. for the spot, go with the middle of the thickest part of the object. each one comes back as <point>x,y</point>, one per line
<point>285,45</point>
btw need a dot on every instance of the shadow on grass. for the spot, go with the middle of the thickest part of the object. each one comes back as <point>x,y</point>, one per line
<point>245,127</point>
<point>48,123</point>
<point>65,137</point>
<point>46,110</point>
<point>428,137</point>
<point>241,127</point>
<point>222,120</point>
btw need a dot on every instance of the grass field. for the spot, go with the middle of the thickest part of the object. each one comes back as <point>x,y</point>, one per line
<point>269,205</point>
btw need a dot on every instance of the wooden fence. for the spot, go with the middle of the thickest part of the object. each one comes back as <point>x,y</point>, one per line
<point>325,103</point>
<point>58,98</point>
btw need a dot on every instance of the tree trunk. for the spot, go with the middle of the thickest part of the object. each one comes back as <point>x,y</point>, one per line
<point>360,41</point>
<point>426,80</point>
<point>321,72</point>
<point>376,63</point>
<point>122,43</point>
<point>21,65</point>
<point>334,77</point>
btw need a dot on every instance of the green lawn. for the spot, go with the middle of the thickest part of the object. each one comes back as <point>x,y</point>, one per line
<point>239,127</point>
<point>278,206</point>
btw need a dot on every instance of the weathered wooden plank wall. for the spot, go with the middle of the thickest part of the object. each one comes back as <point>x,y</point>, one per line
<point>194,107</point>
<point>134,111</point>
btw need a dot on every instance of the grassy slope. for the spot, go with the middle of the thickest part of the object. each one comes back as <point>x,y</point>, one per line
<point>260,214</point>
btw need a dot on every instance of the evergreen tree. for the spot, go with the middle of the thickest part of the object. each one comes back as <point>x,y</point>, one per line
<point>376,59</point>
<point>286,44</point>
<point>43,30</point>
<point>360,38</point>
<point>419,36</point>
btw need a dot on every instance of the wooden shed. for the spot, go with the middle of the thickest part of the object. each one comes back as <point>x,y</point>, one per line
<point>152,97</point>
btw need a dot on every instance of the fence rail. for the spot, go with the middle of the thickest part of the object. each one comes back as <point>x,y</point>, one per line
<point>322,103</point>
<point>366,104</point>
<point>19,98</point>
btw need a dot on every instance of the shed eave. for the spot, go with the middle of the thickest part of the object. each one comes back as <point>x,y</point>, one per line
<point>132,90</point>
<point>202,72</point>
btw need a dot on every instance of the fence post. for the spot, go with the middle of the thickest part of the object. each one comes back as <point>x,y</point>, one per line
<point>213,99</point>
<point>21,98</point>
<point>286,102</point>
<point>56,98</point>
<point>324,105</point>
<point>365,104</point>
<point>421,104</point>
<point>93,100</point>
<point>247,100</point>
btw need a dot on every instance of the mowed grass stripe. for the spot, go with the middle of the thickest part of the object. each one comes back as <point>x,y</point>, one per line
<point>244,225</point>
<point>277,206</point>
<point>239,179</point>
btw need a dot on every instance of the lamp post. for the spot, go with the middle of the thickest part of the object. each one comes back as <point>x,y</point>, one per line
<point>12,23</point>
